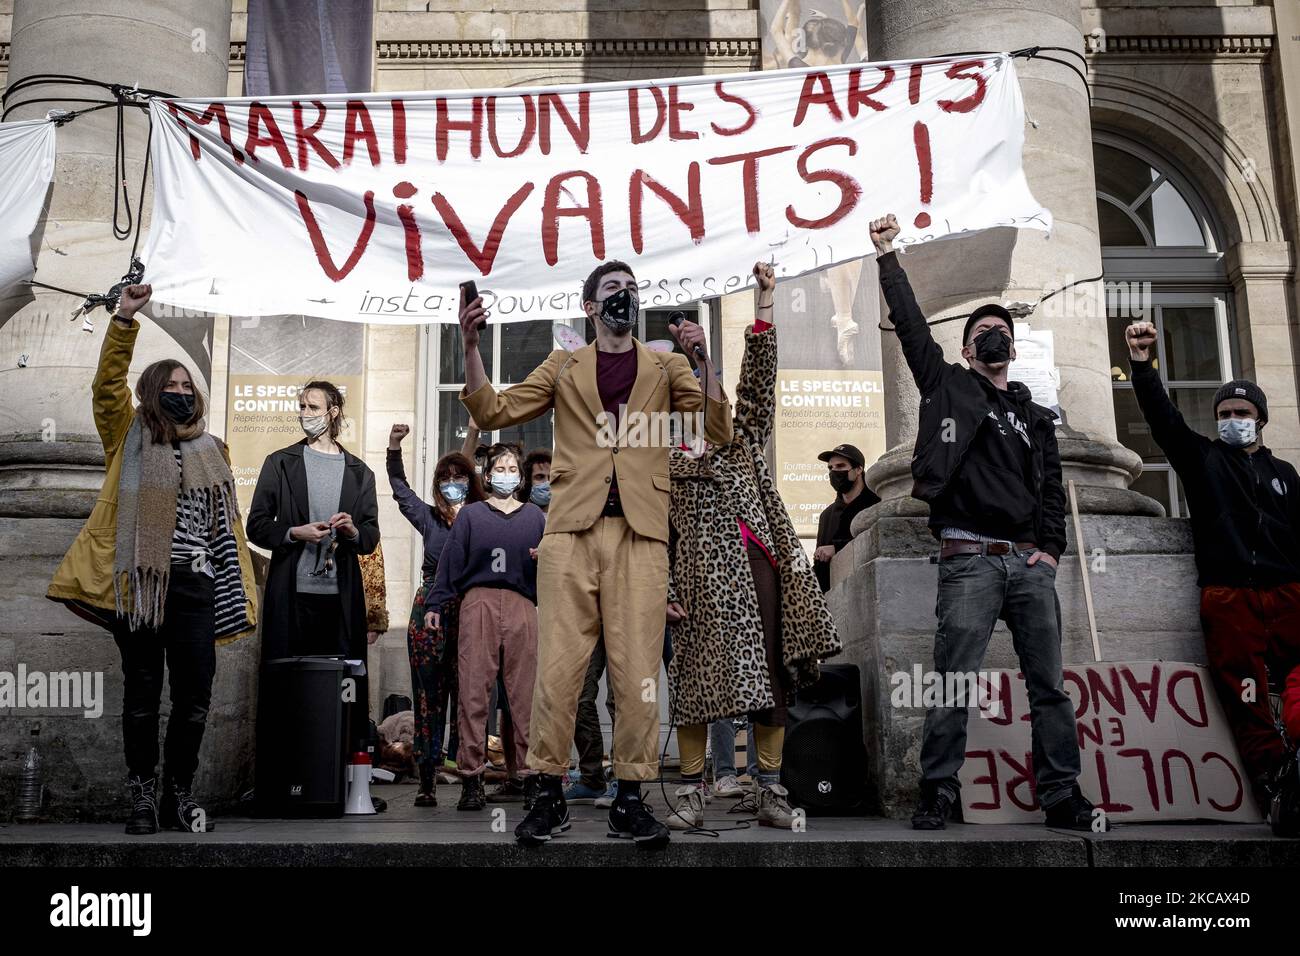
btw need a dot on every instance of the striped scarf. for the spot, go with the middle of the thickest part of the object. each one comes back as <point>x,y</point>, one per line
<point>146,513</point>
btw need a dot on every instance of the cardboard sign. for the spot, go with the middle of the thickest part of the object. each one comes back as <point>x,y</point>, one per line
<point>1153,741</point>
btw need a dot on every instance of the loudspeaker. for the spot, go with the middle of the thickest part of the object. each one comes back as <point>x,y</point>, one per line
<point>824,761</point>
<point>301,724</point>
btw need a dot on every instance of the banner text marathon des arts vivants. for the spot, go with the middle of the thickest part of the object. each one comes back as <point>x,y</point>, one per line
<point>374,208</point>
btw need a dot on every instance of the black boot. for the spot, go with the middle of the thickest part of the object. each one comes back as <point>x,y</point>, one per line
<point>1284,802</point>
<point>178,811</point>
<point>1076,812</point>
<point>428,795</point>
<point>144,805</point>
<point>472,796</point>
<point>934,809</point>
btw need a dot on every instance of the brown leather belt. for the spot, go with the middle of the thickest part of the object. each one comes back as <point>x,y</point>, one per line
<point>950,547</point>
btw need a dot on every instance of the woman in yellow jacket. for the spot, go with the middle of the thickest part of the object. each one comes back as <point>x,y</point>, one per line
<point>162,563</point>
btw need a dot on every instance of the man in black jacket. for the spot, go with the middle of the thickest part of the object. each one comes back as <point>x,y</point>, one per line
<point>1245,513</point>
<point>847,467</point>
<point>986,462</point>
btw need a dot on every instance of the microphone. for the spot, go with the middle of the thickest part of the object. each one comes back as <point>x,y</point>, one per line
<point>676,319</point>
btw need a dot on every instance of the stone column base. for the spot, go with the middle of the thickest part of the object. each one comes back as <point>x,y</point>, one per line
<point>883,593</point>
<point>84,770</point>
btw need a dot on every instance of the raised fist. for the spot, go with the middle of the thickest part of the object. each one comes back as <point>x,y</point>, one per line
<point>1141,337</point>
<point>133,299</point>
<point>883,232</point>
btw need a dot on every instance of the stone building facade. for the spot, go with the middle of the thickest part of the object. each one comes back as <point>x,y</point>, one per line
<point>1172,172</point>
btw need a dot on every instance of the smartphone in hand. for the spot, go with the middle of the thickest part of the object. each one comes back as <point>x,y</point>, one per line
<point>469,292</point>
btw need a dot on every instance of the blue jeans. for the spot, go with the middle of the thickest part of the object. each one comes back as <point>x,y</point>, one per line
<point>974,591</point>
<point>722,738</point>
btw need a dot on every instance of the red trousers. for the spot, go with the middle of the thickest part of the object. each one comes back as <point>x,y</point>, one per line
<point>498,630</point>
<point>1246,631</point>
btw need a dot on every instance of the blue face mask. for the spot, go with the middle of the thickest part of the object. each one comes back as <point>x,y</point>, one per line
<point>454,491</point>
<point>1238,432</point>
<point>504,484</point>
<point>541,494</point>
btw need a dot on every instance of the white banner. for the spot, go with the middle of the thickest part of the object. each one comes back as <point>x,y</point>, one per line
<point>27,163</point>
<point>373,208</point>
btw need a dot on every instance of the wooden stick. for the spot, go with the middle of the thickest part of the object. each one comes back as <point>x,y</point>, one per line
<point>1083,566</point>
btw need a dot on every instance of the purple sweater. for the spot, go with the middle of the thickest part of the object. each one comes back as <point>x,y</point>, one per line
<point>488,549</point>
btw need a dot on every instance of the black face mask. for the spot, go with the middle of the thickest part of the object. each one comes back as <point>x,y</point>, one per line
<point>992,346</point>
<point>619,311</point>
<point>841,481</point>
<point>179,408</point>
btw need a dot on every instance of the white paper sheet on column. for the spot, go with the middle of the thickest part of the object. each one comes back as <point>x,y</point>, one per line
<point>27,159</point>
<point>1035,366</point>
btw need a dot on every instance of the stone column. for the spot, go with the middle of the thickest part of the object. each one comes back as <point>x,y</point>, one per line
<point>51,462</point>
<point>952,278</point>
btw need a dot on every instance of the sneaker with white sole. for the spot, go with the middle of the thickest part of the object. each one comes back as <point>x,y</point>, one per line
<point>728,788</point>
<point>774,807</point>
<point>631,819</point>
<point>688,812</point>
<point>606,799</point>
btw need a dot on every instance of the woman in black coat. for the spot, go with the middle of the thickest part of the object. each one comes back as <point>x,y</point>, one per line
<point>315,510</point>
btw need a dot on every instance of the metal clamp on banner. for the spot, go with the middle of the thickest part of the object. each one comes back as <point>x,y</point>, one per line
<point>109,299</point>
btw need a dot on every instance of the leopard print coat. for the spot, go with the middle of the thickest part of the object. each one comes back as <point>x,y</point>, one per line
<point>718,668</point>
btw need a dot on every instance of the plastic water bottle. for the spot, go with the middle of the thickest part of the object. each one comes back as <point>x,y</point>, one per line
<point>30,789</point>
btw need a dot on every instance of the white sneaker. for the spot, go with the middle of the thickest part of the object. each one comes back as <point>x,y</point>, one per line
<point>774,807</point>
<point>689,811</point>
<point>606,800</point>
<point>728,788</point>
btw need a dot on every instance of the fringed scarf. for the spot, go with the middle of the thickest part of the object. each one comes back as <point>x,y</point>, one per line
<point>146,513</point>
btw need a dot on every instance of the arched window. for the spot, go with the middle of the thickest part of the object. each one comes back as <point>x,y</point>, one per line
<point>1161,263</point>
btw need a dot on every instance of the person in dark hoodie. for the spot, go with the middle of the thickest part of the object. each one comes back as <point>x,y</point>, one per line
<point>987,463</point>
<point>1245,514</point>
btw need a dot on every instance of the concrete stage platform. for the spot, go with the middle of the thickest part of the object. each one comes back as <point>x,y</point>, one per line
<point>442,836</point>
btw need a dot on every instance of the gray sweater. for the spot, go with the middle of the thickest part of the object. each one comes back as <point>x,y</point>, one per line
<point>324,486</point>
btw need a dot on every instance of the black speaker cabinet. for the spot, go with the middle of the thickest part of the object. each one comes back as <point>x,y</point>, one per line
<point>301,720</point>
<point>824,763</point>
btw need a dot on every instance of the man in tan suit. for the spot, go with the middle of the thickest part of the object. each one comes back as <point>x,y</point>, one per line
<point>603,561</point>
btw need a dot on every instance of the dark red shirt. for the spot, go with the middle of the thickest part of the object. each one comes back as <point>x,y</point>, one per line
<point>615,376</point>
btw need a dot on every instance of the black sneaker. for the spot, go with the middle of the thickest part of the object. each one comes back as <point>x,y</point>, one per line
<point>510,791</point>
<point>934,809</point>
<point>472,796</point>
<point>531,789</point>
<point>1284,806</point>
<point>144,805</point>
<point>178,811</point>
<point>548,817</point>
<point>1076,812</point>
<point>630,819</point>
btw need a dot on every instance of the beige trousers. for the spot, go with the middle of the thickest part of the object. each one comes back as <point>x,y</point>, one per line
<point>607,576</point>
